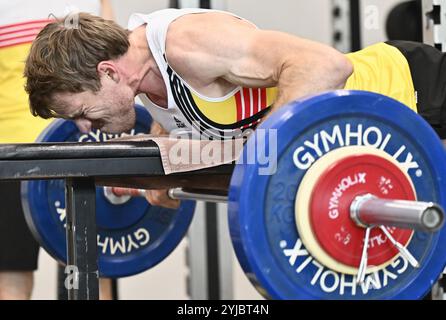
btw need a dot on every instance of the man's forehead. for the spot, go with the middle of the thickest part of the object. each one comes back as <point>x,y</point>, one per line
<point>69,100</point>
<point>66,98</point>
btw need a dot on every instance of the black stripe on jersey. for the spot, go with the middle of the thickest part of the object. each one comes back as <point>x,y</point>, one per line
<point>179,92</point>
<point>181,101</point>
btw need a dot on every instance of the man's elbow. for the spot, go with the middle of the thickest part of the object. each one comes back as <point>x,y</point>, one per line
<point>341,69</point>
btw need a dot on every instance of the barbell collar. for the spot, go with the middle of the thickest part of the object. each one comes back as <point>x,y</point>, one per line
<point>369,211</point>
<point>182,194</point>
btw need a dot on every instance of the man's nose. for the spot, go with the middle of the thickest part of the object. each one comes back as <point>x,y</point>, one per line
<point>83,125</point>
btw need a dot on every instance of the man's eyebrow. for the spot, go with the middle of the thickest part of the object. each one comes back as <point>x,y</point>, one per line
<point>67,117</point>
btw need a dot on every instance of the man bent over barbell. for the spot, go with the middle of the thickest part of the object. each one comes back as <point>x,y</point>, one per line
<point>212,68</point>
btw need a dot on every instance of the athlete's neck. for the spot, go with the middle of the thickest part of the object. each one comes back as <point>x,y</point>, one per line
<point>143,72</point>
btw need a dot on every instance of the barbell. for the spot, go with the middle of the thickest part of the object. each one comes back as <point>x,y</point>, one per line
<point>351,208</point>
<point>365,210</point>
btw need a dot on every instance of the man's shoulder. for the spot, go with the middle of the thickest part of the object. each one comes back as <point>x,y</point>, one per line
<point>171,12</point>
<point>161,17</point>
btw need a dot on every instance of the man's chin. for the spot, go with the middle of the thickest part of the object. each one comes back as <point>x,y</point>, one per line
<point>120,130</point>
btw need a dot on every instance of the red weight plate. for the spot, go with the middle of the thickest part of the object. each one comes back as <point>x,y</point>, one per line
<point>330,203</point>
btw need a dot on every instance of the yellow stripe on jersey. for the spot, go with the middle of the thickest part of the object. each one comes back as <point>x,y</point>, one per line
<point>17,125</point>
<point>221,112</point>
<point>383,69</point>
<point>227,112</point>
<point>271,95</point>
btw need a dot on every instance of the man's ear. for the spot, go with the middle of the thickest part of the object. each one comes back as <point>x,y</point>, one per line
<point>108,69</point>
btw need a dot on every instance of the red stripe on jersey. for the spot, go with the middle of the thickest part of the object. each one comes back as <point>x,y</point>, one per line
<point>34,30</point>
<point>25,35</point>
<point>19,25</point>
<point>263,98</point>
<point>248,105</point>
<point>255,99</point>
<point>21,33</point>
<point>246,98</point>
<point>238,103</point>
<point>16,41</point>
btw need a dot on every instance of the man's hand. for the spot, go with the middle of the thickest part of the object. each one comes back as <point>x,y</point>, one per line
<point>156,129</point>
<point>160,198</point>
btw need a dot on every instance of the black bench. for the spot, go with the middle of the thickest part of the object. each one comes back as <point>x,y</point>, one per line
<point>87,165</point>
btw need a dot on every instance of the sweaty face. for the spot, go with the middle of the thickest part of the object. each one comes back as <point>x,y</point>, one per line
<point>111,109</point>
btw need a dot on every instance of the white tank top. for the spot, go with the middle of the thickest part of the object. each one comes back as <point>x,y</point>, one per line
<point>187,110</point>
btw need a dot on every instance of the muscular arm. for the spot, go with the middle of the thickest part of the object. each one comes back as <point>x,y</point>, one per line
<point>209,48</point>
<point>107,10</point>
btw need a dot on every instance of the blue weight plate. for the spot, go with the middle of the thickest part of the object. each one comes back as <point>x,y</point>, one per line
<point>264,232</point>
<point>132,237</point>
